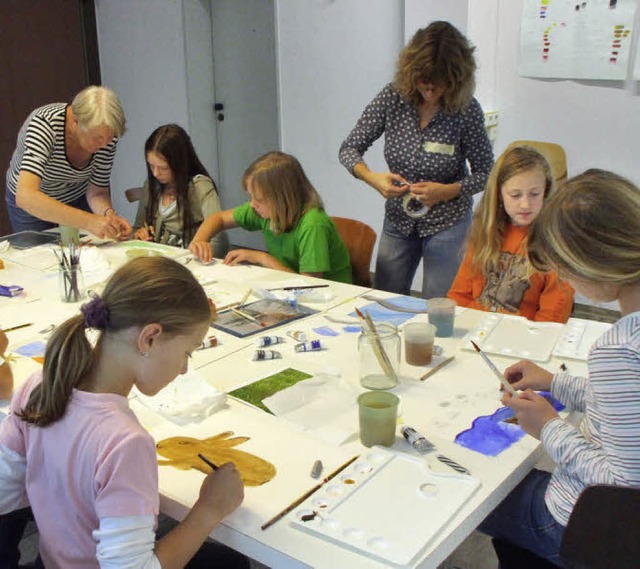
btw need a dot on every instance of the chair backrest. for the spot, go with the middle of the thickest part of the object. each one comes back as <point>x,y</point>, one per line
<point>604,529</point>
<point>133,194</point>
<point>359,239</point>
<point>553,152</point>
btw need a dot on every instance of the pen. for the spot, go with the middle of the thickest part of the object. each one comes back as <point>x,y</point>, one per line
<point>495,370</point>
<point>17,327</point>
<point>244,315</point>
<point>206,460</point>
<point>308,493</point>
<point>299,287</point>
<point>436,368</point>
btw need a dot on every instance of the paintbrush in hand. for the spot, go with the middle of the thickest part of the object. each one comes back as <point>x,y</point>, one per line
<point>495,370</point>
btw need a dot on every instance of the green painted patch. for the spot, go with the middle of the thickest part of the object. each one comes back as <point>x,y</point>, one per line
<point>255,392</point>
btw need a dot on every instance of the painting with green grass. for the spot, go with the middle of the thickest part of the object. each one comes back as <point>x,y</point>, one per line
<point>255,392</point>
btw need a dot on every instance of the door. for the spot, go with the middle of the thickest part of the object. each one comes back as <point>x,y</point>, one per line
<point>246,95</point>
<point>48,52</point>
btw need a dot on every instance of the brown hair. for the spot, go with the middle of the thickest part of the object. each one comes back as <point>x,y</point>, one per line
<point>283,183</point>
<point>590,229</point>
<point>490,219</point>
<point>173,144</point>
<point>441,55</point>
<point>144,291</point>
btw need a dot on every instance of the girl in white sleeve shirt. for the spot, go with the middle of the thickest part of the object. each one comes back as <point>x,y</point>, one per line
<point>73,451</point>
<point>589,231</point>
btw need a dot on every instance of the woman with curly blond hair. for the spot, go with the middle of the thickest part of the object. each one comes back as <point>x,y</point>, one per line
<point>433,126</point>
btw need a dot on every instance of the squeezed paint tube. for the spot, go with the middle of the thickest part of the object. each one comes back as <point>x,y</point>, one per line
<point>297,335</point>
<point>265,341</point>
<point>210,342</point>
<point>261,355</point>
<point>312,346</point>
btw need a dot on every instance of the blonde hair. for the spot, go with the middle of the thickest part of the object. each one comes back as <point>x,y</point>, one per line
<point>145,290</point>
<point>490,220</point>
<point>441,55</point>
<point>97,106</point>
<point>590,229</point>
<point>284,184</point>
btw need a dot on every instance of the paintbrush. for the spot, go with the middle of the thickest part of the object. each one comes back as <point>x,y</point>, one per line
<point>244,298</point>
<point>436,368</point>
<point>207,461</point>
<point>308,493</point>
<point>495,370</point>
<point>378,348</point>
<point>244,315</point>
<point>17,327</point>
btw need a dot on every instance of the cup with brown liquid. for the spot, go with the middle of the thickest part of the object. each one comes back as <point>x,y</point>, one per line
<point>418,343</point>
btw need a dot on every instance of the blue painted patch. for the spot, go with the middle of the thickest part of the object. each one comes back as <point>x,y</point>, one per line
<point>325,331</point>
<point>33,349</point>
<point>353,329</point>
<point>382,314</point>
<point>490,435</point>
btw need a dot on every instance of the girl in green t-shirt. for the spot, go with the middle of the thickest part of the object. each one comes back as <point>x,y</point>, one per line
<point>300,236</point>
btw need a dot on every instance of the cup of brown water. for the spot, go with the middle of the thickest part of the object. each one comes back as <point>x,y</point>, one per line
<point>418,343</point>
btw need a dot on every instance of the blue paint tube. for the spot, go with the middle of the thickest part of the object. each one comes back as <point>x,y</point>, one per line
<point>312,346</point>
<point>261,355</point>
<point>266,341</point>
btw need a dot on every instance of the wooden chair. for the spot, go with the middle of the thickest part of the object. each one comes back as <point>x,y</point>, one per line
<point>554,153</point>
<point>133,194</point>
<point>603,531</point>
<point>359,239</point>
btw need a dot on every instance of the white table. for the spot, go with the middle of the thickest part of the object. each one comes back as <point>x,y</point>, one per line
<point>439,407</point>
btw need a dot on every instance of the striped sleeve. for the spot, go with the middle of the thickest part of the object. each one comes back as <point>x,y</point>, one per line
<point>611,454</point>
<point>570,390</point>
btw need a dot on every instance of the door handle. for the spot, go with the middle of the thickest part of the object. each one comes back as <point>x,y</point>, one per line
<point>218,107</point>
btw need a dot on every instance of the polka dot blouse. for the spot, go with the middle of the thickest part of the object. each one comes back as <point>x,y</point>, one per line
<point>437,153</point>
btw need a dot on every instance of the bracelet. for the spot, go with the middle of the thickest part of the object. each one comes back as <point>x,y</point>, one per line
<point>107,211</point>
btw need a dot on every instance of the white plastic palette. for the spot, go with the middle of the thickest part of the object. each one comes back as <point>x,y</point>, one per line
<point>514,336</point>
<point>354,508</point>
<point>578,337</point>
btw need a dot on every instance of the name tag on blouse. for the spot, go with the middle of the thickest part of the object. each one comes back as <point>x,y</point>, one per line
<point>439,148</point>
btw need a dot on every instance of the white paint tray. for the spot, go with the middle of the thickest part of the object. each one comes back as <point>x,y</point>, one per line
<point>514,336</point>
<point>354,508</point>
<point>578,337</point>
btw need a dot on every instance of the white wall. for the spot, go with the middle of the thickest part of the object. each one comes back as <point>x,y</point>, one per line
<point>142,58</point>
<point>595,121</point>
<point>334,57</point>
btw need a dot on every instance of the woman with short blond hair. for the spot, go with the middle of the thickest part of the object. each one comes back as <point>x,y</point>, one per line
<point>61,167</point>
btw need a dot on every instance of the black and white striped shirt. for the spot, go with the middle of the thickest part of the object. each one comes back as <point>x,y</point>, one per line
<point>41,150</point>
<point>610,399</point>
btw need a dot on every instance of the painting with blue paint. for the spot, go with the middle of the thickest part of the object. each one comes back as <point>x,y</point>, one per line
<point>31,350</point>
<point>381,314</point>
<point>325,331</point>
<point>491,434</point>
<point>352,329</point>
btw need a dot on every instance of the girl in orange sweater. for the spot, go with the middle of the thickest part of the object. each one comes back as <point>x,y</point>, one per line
<point>495,274</point>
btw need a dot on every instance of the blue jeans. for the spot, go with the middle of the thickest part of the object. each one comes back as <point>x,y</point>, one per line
<point>523,519</point>
<point>399,257</point>
<point>24,221</point>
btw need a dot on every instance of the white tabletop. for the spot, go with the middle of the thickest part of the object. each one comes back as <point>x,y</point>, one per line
<point>440,407</point>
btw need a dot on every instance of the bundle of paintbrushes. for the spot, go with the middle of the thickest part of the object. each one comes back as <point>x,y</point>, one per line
<point>369,329</point>
<point>71,286</point>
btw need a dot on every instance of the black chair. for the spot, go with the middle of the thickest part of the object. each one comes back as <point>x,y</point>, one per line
<point>603,533</point>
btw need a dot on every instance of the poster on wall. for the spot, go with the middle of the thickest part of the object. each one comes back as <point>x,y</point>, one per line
<point>576,40</point>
